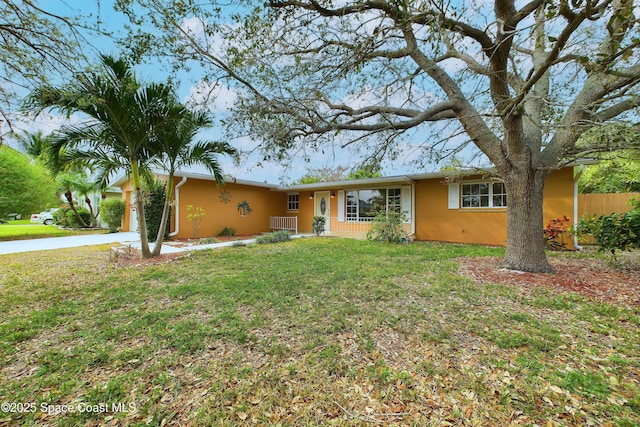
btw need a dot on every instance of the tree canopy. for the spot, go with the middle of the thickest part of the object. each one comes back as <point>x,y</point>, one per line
<point>618,172</point>
<point>619,168</point>
<point>25,186</point>
<point>37,45</point>
<point>522,81</point>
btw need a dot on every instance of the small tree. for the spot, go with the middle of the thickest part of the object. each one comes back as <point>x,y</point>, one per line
<point>318,224</point>
<point>112,211</point>
<point>387,226</point>
<point>195,215</point>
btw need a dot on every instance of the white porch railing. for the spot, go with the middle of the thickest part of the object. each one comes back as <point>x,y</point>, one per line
<point>284,223</point>
<point>357,228</point>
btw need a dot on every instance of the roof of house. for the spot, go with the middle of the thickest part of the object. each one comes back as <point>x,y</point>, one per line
<point>123,178</point>
<point>403,179</point>
<point>366,182</point>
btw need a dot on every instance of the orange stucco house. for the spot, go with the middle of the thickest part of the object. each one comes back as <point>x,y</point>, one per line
<point>443,206</point>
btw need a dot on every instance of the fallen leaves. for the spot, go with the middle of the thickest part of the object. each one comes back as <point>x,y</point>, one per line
<point>592,278</point>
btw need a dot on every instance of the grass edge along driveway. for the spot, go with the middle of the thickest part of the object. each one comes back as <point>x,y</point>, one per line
<point>19,230</point>
<point>308,332</point>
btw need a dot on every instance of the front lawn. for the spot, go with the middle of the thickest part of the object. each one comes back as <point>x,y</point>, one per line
<point>21,230</point>
<point>309,332</point>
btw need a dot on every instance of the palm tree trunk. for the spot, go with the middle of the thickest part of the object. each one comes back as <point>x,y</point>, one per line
<point>93,222</point>
<point>69,196</point>
<point>142,223</point>
<point>157,248</point>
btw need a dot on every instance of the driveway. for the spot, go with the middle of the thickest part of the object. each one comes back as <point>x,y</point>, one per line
<point>15,246</point>
<point>124,238</point>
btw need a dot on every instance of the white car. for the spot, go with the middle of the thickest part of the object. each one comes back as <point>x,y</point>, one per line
<point>44,217</point>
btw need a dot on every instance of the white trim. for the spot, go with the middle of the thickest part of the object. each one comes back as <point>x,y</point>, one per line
<point>405,202</point>
<point>576,178</point>
<point>340,205</point>
<point>176,207</point>
<point>489,195</point>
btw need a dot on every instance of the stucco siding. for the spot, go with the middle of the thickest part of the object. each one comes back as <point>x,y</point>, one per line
<point>435,221</point>
<point>220,206</point>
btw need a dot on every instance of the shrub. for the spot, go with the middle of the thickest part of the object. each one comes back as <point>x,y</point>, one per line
<point>60,216</point>
<point>275,237</point>
<point>207,241</point>
<point>554,233</point>
<point>112,211</point>
<point>72,219</point>
<point>153,206</point>
<point>227,231</point>
<point>318,224</point>
<point>387,226</point>
<point>617,231</point>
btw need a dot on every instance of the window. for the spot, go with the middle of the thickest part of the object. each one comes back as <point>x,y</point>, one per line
<point>363,205</point>
<point>484,195</point>
<point>293,202</point>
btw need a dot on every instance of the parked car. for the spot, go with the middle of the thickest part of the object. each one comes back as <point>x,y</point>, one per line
<point>44,217</point>
<point>13,216</point>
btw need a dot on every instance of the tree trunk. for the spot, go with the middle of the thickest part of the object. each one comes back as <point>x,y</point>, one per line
<point>69,196</point>
<point>142,222</point>
<point>157,248</point>
<point>142,226</point>
<point>93,222</point>
<point>525,249</point>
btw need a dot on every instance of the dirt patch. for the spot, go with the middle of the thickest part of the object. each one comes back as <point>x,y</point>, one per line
<point>593,278</point>
<point>125,257</point>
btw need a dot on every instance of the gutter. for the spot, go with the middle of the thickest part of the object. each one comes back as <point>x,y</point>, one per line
<point>576,178</point>
<point>176,205</point>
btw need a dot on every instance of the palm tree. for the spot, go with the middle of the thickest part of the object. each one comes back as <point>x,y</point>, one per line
<point>176,150</point>
<point>67,182</point>
<point>84,187</point>
<point>33,143</point>
<point>117,134</point>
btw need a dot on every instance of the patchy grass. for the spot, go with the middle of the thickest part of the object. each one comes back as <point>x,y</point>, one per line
<point>307,332</point>
<point>20,231</point>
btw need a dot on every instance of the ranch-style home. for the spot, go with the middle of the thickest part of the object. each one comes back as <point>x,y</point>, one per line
<point>441,206</point>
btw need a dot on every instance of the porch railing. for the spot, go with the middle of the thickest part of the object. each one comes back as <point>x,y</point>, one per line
<point>356,229</point>
<point>289,223</point>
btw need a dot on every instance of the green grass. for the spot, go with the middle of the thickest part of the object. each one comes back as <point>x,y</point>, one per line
<point>307,332</point>
<point>23,230</point>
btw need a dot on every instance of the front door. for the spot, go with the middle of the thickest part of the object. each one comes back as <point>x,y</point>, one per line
<point>323,207</point>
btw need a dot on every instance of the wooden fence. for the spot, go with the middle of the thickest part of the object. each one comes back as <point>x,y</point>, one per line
<point>604,204</point>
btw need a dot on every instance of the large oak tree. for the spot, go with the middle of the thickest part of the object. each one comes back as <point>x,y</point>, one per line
<point>523,80</point>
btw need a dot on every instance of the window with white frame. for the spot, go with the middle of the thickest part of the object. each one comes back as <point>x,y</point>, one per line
<point>363,205</point>
<point>484,195</point>
<point>293,202</point>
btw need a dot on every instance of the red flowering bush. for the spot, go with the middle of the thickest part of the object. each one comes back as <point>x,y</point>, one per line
<point>554,232</point>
